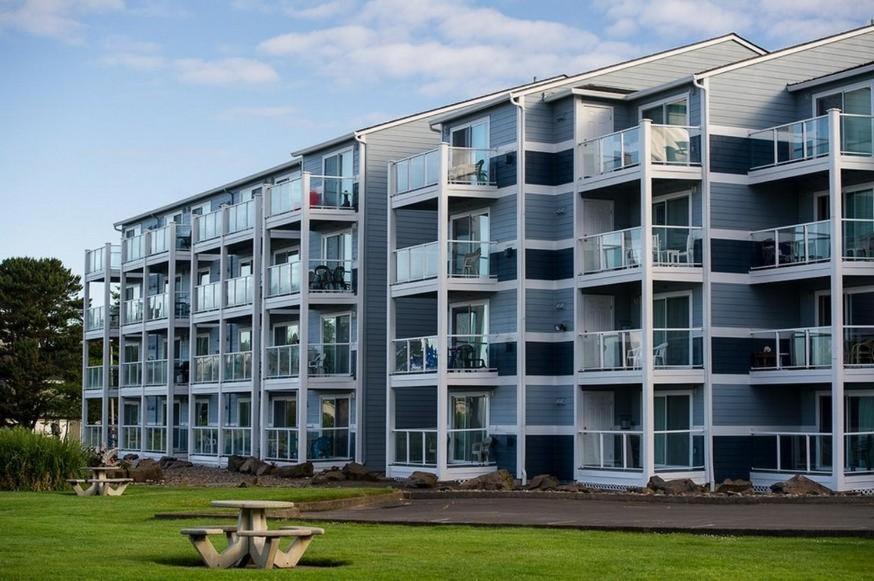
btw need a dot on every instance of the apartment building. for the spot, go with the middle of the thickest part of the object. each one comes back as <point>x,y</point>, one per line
<point>606,276</point>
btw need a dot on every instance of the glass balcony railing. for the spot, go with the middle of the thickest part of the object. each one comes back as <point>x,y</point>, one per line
<point>95,259</point>
<point>183,304</point>
<point>333,192</point>
<point>611,350</point>
<point>678,348</point>
<point>155,372</point>
<point>237,366</point>
<point>94,319</point>
<point>281,444</point>
<point>803,348</point>
<point>856,134</point>
<point>679,450</point>
<point>285,197</point>
<point>792,245</point>
<point>208,226</point>
<point>415,355</point>
<point>94,377</point>
<point>858,239</point>
<point>789,143</point>
<point>677,245</point>
<point>241,216</point>
<point>205,441</point>
<point>330,275</point>
<point>331,443</point>
<point>207,297</point>
<point>792,452</point>
<point>615,250</point>
<point>331,359</point>
<point>130,437</point>
<point>418,262</point>
<point>237,441</point>
<point>283,361</point>
<point>155,439</point>
<point>858,345</point>
<point>91,436</point>
<point>240,291</point>
<point>417,171</point>
<point>133,311</point>
<point>156,307</point>
<point>859,451</point>
<point>132,374</point>
<point>673,145</point>
<point>468,353</point>
<point>471,259</point>
<point>283,279</point>
<point>206,368</point>
<point>134,247</point>
<point>161,239</point>
<point>415,447</point>
<point>472,167</point>
<point>469,446</point>
<point>610,449</point>
<point>180,439</point>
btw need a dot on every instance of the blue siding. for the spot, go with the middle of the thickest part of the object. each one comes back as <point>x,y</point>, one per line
<point>549,217</point>
<point>549,358</point>
<point>549,405</point>
<point>549,264</point>
<point>550,455</point>
<point>546,308</point>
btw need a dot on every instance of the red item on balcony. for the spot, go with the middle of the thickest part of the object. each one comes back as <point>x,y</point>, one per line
<point>315,199</point>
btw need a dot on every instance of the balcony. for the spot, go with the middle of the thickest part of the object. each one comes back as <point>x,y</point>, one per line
<point>792,452</point>
<point>133,311</point>
<point>672,246</point>
<point>611,350</point>
<point>166,237</point>
<point>858,239</point>
<point>285,197</point>
<point>469,447</point>
<point>464,168</point>
<point>416,171</point>
<point>156,307</point>
<point>155,372</point>
<point>610,450</point>
<point>415,263</point>
<point>415,447</point>
<point>226,220</point>
<point>132,374</point>
<point>134,248</point>
<point>207,368</point>
<point>330,359</point>
<point>208,226</point>
<point>858,346</point>
<point>792,245</point>
<point>471,259</point>
<point>94,377</point>
<point>155,439</point>
<point>237,366</point>
<point>95,260</point>
<point>239,291</point>
<point>95,318</point>
<point>283,361</point>
<point>205,441</point>
<point>283,279</point>
<point>415,355</point>
<point>241,217</point>
<point>207,297</point>
<point>331,443</point>
<point>802,348</point>
<point>237,441</point>
<point>669,146</point>
<point>328,275</point>
<point>281,444</point>
<point>333,192</point>
<point>468,353</point>
<point>130,437</point>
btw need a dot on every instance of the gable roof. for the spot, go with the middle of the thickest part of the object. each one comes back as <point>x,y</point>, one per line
<point>835,76</point>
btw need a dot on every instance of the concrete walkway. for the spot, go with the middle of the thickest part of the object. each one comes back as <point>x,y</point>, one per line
<point>830,519</point>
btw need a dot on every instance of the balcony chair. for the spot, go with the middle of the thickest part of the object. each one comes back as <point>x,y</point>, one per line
<point>687,256</point>
<point>468,359</point>
<point>430,358</point>
<point>862,352</point>
<point>482,450</point>
<point>316,365</point>
<point>660,353</point>
<point>472,173</point>
<point>321,278</point>
<point>470,264</point>
<point>338,278</point>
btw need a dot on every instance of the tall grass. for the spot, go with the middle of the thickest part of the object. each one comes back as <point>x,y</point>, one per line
<point>30,461</point>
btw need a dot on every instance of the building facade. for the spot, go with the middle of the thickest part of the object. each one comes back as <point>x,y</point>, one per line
<point>606,276</point>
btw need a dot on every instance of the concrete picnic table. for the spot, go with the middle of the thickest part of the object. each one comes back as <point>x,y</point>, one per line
<point>100,484</point>
<point>251,540</point>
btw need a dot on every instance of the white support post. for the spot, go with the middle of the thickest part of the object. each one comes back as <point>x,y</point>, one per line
<point>171,335</point>
<point>391,330</point>
<point>521,310</point>
<point>192,338</point>
<point>837,297</point>
<point>706,262</point>
<point>258,384</point>
<point>646,307</point>
<point>257,337</point>
<point>303,323</point>
<point>360,312</point>
<point>86,298</point>
<point>443,315</point>
<point>223,331</point>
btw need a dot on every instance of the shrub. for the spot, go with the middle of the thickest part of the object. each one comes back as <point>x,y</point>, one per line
<point>31,461</point>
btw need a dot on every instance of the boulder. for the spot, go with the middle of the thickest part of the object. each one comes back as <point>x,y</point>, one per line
<point>573,487</point>
<point>328,476</point>
<point>739,486</point>
<point>130,457</point>
<point>304,470</point>
<point>800,485</point>
<point>146,470</point>
<point>169,463</point>
<point>355,471</point>
<point>235,463</point>
<point>422,480</point>
<point>263,468</point>
<point>543,482</point>
<point>248,466</point>
<point>499,480</point>
<point>678,486</point>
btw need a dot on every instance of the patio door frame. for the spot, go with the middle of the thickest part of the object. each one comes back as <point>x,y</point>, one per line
<point>486,395</point>
<point>690,394</point>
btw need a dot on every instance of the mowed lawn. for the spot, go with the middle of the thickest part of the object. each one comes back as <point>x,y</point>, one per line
<point>61,536</point>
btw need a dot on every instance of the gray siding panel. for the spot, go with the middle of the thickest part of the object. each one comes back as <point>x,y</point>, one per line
<point>542,314</point>
<point>549,217</point>
<point>549,405</point>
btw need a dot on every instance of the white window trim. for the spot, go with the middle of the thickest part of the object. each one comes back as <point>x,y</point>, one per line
<point>687,96</point>
<point>675,392</point>
<point>291,250</point>
<point>483,394</point>
<point>323,242</point>
<point>487,121</point>
<point>485,305</point>
<point>842,89</point>
<point>674,294</point>
<point>343,150</point>
<point>336,315</point>
<point>578,118</point>
<point>471,213</point>
<point>674,196</point>
<point>286,324</point>
<point>352,425</point>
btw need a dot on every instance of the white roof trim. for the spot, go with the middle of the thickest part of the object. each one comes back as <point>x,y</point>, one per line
<point>785,51</point>
<point>844,74</point>
<point>643,60</point>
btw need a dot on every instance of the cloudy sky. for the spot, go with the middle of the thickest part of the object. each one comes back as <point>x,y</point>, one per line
<point>112,107</point>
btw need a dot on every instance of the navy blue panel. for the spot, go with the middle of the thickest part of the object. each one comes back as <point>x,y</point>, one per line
<point>549,169</point>
<point>503,264</point>
<point>504,452</point>
<point>732,355</point>
<point>504,169</point>
<point>729,154</point>
<point>550,455</point>
<point>549,358</point>
<point>731,255</point>
<point>503,357</point>
<point>732,456</point>
<point>549,264</point>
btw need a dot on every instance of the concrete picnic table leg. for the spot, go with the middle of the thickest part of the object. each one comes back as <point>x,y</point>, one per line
<point>289,558</point>
<point>251,519</point>
<point>232,555</point>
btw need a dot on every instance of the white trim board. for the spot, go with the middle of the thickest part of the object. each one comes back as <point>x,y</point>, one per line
<point>536,244</point>
<point>730,234</point>
<point>544,147</point>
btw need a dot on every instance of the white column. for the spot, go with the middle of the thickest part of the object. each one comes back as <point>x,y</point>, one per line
<point>86,297</point>
<point>223,330</point>
<point>521,320</point>
<point>257,278</point>
<point>390,328</point>
<point>261,354</point>
<point>303,322</point>
<point>837,297</point>
<point>646,295</point>
<point>706,262</point>
<point>171,333</point>
<point>360,312</point>
<point>442,315</point>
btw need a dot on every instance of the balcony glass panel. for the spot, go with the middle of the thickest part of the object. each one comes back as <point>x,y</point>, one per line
<point>612,250</point>
<point>238,366</point>
<point>133,311</point>
<point>415,447</point>
<point>241,216</point>
<point>610,449</point>
<point>208,297</point>
<point>859,345</point>
<point>469,446</point>
<point>131,374</point>
<point>677,348</point>
<point>677,245</point>
<point>237,441</point>
<point>156,307</point>
<point>789,143</point>
<point>611,152</point>
<point>331,443</point>
<point>415,355</point>
<point>330,359</point>
<point>283,279</point>
<point>859,450</point>
<point>286,197</point>
<point>802,348</point>
<point>94,377</point>
<point>208,226</point>
<point>856,134</point>
<point>283,361</point>
<point>417,171</point>
<point>155,439</point>
<point>794,452</point>
<point>205,441</point>
<point>678,450</point>
<point>470,259</point>
<point>792,245</point>
<point>281,444</point>
<point>155,372</point>
<point>206,368</point>
<point>134,247</point>
<point>159,240</point>
<point>94,319</point>
<point>468,166</point>
<point>130,437</point>
<point>611,350</point>
<point>675,145</point>
<point>417,262</point>
<point>333,192</point>
<point>240,291</point>
<point>858,239</point>
<point>468,353</point>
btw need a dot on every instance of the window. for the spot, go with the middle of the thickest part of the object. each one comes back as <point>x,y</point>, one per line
<point>131,411</point>
<point>469,156</point>
<point>856,132</point>
<point>674,111</point>
<point>854,101</point>
<point>205,411</point>
<point>469,254</point>
<point>238,411</point>
<point>672,412</point>
<point>337,248</point>
<point>671,211</point>
<point>336,329</point>
<point>286,334</point>
<point>337,192</point>
<point>285,256</point>
<point>202,345</point>
<point>203,276</point>
<point>155,411</point>
<point>284,412</point>
<point>474,135</point>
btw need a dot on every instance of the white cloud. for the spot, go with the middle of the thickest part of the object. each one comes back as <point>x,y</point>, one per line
<point>309,10</point>
<point>59,19</point>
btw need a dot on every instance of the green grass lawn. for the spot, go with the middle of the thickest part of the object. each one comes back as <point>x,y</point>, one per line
<point>61,536</point>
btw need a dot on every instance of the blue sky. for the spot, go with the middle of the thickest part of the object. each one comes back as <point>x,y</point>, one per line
<point>112,107</point>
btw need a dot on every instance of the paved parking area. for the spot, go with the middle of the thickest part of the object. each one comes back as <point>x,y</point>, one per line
<point>854,519</point>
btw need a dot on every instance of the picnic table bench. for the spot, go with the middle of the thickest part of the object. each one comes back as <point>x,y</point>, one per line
<point>251,541</point>
<point>100,484</point>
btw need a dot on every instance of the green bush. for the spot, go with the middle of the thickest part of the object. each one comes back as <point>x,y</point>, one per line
<point>31,461</point>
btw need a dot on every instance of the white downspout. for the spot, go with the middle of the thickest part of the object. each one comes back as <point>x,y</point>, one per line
<point>359,303</point>
<point>520,293</point>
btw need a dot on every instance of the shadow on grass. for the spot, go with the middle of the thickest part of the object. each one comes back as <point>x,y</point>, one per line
<point>195,562</point>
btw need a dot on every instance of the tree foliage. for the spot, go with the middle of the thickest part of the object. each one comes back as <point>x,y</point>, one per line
<point>40,341</point>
